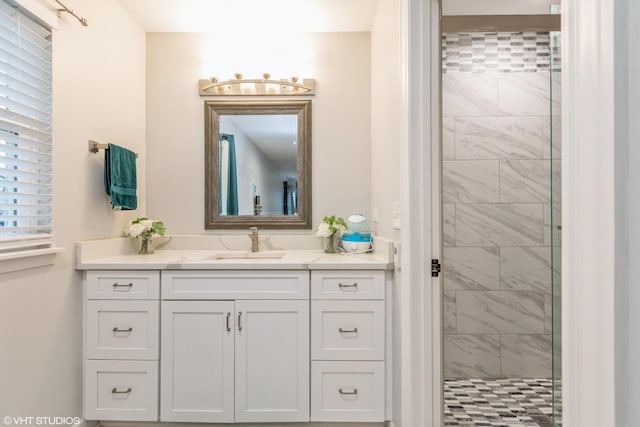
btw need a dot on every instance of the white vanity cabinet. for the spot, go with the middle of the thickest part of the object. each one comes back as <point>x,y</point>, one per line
<point>121,335</point>
<point>237,346</point>
<point>348,346</point>
<point>235,360</point>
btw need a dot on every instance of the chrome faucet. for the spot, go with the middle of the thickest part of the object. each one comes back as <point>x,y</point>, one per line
<point>253,235</point>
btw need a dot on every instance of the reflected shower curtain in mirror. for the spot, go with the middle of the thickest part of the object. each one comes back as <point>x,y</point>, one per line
<point>229,176</point>
<point>290,197</point>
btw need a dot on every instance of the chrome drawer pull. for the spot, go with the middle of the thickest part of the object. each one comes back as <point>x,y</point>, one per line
<point>117,286</point>
<point>348,331</point>
<point>352,392</point>
<point>341,286</point>
<point>116,330</point>
<point>239,324</point>
<point>116,391</point>
<point>228,327</point>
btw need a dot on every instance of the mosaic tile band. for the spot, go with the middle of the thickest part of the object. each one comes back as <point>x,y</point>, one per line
<point>498,52</point>
<point>513,402</point>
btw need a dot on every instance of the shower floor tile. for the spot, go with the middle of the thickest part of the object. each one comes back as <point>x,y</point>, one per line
<point>512,402</point>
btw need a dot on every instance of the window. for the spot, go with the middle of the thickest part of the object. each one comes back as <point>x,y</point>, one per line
<point>25,132</point>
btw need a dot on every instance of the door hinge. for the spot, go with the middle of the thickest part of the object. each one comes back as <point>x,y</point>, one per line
<point>436,268</point>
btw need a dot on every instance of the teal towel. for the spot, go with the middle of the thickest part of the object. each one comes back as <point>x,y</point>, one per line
<point>120,181</point>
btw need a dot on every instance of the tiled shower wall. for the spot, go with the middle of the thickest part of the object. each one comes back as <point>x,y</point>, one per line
<point>497,205</point>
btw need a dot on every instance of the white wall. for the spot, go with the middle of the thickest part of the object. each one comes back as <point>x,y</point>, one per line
<point>496,7</point>
<point>98,93</point>
<point>386,110</point>
<point>386,140</point>
<point>340,63</point>
<point>593,202</point>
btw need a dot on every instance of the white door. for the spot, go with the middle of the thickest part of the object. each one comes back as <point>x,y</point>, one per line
<point>272,361</point>
<point>197,363</point>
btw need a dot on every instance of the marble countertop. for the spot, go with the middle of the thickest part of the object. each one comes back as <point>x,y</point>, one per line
<point>229,259</point>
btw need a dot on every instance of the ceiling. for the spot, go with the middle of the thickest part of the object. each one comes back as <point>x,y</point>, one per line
<point>238,15</point>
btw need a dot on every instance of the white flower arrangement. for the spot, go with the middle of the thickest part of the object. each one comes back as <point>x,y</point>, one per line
<point>331,225</point>
<point>145,228</point>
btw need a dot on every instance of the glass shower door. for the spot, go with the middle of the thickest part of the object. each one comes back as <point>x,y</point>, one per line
<point>555,150</point>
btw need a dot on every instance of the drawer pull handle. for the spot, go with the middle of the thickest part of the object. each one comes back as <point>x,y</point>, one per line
<point>348,331</point>
<point>228,327</point>
<point>354,285</point>
<point>117,286</point>
<point>116,330</point>
<point>116,391</point>
<point>239,324</point>
<point>352,392</point>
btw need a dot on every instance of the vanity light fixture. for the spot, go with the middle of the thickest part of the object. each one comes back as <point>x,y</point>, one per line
<point>264,86</point>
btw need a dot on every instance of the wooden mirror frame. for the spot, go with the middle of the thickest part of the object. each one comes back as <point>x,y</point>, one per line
<point>212,112</point>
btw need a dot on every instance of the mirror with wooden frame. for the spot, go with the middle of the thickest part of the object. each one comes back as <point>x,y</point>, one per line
<point>258,164</point>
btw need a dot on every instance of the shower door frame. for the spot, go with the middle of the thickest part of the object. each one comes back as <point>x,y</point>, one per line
<point>457,23</point>
<point>420,366</point>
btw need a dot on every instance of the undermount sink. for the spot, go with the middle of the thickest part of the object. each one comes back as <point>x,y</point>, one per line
<point>246,255</point>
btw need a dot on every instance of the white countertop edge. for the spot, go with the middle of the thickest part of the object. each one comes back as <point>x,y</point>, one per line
<point>119,254</point>
<point>234,266</point>
<point>196,260</point>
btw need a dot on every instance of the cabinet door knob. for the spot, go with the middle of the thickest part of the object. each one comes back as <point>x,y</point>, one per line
<point>116,330</point>
<point>239,324</point>
<point>228,327</point>
<point>117,286</point>
<point>354,391</point>
<point>116,391</point>
<point>348,331</point>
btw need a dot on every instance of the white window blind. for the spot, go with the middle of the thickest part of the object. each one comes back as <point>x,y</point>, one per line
<point>25,132</point>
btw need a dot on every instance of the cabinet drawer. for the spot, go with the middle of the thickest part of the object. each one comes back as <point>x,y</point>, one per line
<point>347,284</point>
<point>123,285</point>
<point>122,329</point>
<point>347,391</point>
<point>121,390</point>
<point>347,330</point>
<point>235,284</point>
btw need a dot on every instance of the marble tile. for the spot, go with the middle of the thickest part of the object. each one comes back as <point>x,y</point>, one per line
<point>556,339</point>
<point>556,93</point>
<point>556,181</point>
<point>507,312</point>
<point>449,312</point>
<point>556,256</point>
<point>525,94</point>
<point>552,127</point>
<point>548,317</point>
<point>448,224</point>
<point>526,356</point>
<point>472,356</point>
<point>553,237</point>
<point>471,268</point>
<point>448,139</point>
<point>554,299</point>
<point>469,94</point>
<point>509,224</point>
<point>470,181</point>
<point>498,138</point>
<point>525,181</point>
<point>525,268</point>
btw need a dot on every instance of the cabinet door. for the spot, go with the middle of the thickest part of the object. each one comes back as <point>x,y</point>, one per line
<point>272,361</point>
<point>197,364</point>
